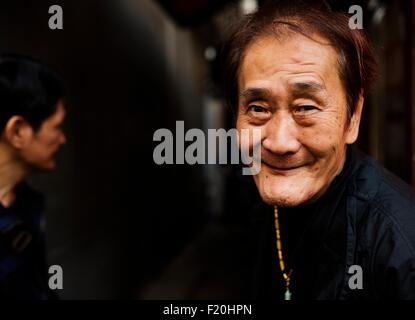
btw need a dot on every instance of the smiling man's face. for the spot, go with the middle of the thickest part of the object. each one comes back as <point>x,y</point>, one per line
<point>291,90</point>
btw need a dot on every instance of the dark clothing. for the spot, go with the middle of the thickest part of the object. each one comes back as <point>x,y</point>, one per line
<point>22,257</point>
<point>365,218</point>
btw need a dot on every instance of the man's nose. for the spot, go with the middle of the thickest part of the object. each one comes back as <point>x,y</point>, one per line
<point>281,135</point>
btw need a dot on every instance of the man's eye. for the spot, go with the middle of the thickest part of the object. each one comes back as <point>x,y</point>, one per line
<point>306,108</point>
<point>255,108</point>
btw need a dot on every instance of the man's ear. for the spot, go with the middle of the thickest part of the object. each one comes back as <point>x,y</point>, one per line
<point>353,128</point>
<point>18,132</point>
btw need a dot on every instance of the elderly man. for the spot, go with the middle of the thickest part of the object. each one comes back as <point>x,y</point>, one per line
<point>31,116</point>
<point>334,224</point>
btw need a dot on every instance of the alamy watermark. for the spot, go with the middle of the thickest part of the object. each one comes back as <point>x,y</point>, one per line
<point>56,20</point>
<point>215,147</point>
<point>56,279</point>
<point>356,278</point>
<point>356,20</point>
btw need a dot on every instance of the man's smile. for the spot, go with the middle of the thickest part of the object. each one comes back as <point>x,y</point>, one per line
<point>282,168</point>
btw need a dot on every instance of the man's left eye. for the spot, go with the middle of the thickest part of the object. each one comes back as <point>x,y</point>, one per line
<point>306,108</point>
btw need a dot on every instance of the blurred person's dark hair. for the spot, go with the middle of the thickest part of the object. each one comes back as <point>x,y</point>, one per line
<point>356,61</point>
<point>27,88</point>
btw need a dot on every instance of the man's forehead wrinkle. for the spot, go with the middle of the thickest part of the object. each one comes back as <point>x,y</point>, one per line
<point>289,66</point>
<point>307,63</point>
<point>268,66</point>
<point>287,73</point>
<point>307,77</point>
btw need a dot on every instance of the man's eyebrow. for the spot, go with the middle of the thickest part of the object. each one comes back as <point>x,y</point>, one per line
<point>307,87</point>
<point>253,94</point>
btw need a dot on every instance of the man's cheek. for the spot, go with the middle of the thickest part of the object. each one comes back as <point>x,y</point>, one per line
<point>319,141</point>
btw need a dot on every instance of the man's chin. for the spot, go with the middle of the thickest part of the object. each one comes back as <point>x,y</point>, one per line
<point>285,198</point>
<point>48,167</point>
<point>281,201</point>
<point>285,191</point>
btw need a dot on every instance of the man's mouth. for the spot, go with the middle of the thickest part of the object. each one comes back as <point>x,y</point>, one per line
<point>282,168</point>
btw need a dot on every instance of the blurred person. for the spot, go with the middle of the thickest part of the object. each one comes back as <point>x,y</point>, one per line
<point>31,115</point>
<point>332,223</point>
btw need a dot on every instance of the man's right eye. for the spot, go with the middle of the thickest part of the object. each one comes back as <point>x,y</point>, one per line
<point>255,108</point>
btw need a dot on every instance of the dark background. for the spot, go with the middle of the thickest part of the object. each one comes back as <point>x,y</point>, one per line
<point>122,226</point>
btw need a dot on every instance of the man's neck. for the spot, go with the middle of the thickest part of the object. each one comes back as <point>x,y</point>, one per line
<point>11,174</point>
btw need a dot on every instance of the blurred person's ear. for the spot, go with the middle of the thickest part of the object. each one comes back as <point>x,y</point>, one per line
<point>353,128</point>
<point>18,132</point>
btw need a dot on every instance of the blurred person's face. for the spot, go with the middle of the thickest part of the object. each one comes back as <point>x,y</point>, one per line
<point>41,147</point>
<point>291,90</point>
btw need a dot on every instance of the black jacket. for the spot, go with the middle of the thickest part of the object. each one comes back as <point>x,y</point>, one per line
<point>23,273</point>
<point>366,218</point>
